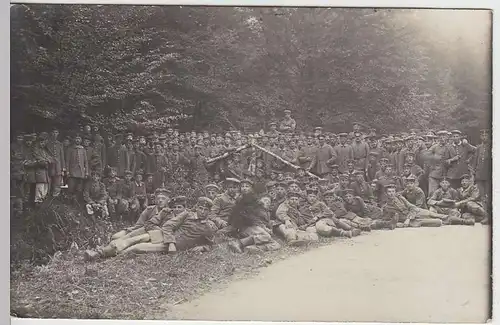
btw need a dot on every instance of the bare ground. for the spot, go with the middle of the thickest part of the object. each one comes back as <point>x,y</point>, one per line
<point>407,275</point>
<point>433,274</point>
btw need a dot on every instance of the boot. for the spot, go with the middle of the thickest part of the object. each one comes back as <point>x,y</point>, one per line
<point>469,222</point>
<point>367,228</point>
<point>355,232</point>
<point>347,234</point>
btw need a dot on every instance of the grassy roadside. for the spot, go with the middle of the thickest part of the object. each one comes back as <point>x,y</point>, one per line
<point>129,286</point>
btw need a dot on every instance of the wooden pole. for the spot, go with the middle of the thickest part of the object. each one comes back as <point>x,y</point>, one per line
<point>283,160</point>
<point>227,154</point>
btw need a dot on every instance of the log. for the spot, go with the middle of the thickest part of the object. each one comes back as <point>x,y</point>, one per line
<point>227,154</point>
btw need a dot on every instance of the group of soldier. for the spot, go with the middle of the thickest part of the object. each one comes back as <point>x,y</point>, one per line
<point>195,188</point>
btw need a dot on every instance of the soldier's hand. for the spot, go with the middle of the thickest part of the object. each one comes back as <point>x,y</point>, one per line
<point>198,249</point>
<point>288,224</point>
<point>406,223</point>
<point>223,223</point>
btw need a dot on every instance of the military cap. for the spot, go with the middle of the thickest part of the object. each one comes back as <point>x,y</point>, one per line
<point>231,180</point>
<point>383,159</point>
<point>359,172</point>
<point>214,186</point>
<point>357,133</point>
<point>333,165</point>
<point>130,135</point>
<point>347,191</point>
<point>456,132</point>
<point>281,184</point>
<point>407,165</point>
<point>398,139</point>
<point>290,194</point>
<point>443,180</point>
<point>419,138</point>
<point>390,185</point>
<point>246,181</point>
<point>389,165</point>
<point>128,172</point>
<point>409,153</point>
<point>467,176</point>
<point>323,181</point>
<point>373,153</point>
<point>87,137</point>
<point>287,111</point>
<point>484,131</point>
<point>162,191</point>
<point>350,161</point>
<point>442,132</point>
<point>374,181</point>
<point>342,135</point>
<point>270,184</point>
<point>272,123</point>
<point>205,201</point>
<point>147,174</point>
<point>411,178</point>
<point>343,176</point>
<point>178,200</point>
<point>43,136</point>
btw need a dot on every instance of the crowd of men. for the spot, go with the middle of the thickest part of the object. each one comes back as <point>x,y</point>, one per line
<point>296,185</point>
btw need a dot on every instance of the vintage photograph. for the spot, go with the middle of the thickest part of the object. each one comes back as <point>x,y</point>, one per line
<point>250,163</point>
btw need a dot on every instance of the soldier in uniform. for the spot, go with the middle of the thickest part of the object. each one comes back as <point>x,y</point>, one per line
<point>95,196</point>
<point>77,166</point>
<point>223,204</point>
<point>358,206</point>
<point>250,218</point>
<point>324,155</point>
<point>361,188</point>
<point>288,124</point>
<point>42,159</point>
<point>342,152</point>
<point>481,168</point>
<point>211,191</point>
<point>146,229</point>
<point>460,154</point>
<point>273,132</point>
<point>289,219</point>
<point>405,214</point>
<point>321,217</point>
<point>58,166</point>
<point>372,167</point>
<point>443,201</point>
<point>470,201</point>
<point>17,173</point>
<point>360,150</point>
<point>190,230</point>
<point>413,193</point>
<point>336,205</point>
<point>436,157</point>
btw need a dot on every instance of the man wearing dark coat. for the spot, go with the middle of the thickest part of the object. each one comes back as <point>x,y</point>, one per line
<point>77,166</point>
<point>58,166</point>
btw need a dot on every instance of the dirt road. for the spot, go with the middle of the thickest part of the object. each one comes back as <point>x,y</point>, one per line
<point>417,275</point>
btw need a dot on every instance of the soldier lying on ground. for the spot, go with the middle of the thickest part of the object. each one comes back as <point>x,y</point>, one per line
<point>290,219</point>
<point>250,217</point>
<point>322,218</point>
<point>146,229</point>
<point>404,214</point>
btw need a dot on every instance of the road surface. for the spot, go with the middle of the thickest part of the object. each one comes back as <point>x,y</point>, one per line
<point>406,275</point>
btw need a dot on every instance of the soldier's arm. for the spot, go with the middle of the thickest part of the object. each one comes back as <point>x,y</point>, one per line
<point>434,199</point>
<point>326,212</point>
<point>214,213</point>
<point>420,202</point>
<point>170,226</point>
<point>155,222</point>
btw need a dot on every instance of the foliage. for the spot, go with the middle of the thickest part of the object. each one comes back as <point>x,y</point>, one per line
<point>146,67</point>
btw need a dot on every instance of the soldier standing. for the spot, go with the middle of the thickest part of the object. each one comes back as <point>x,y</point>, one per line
<point>77,166</point>
<point>460,154</point>
<point>436,157</point>
<point>288,124</point>
<point>360,151</point>
<point>481,168</point>
<point>342,153</point>
<point>58,166</point>
<point>324,155</point>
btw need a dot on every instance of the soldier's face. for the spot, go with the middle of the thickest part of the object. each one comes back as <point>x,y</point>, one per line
<point>266,202</point>
<point>202,211</point>
<point>112,173</point>
<point>343,140</point>
<point>220,140</point>
<point>280,191</point>
<point>86,143</point>
<point>301,172</point>
<point>66,142</point>
<point>294,188</point>
<point>288,114</point>
<point>321,140</point>
<point>78,140</point>
<point>344,181</point>
<point>456,138</point>
<point>329,200</point>
<point>87,128</point>
<point>161,201</point>
<point>149,179</point>
<point>280,177</point>
<point>350,166</point>
<point>406,171</point>
<point>211,193</point>
<point>294,201</point>
<point>356,127</point>
<point>19,138</point>
<point>312,198</point>
<point>128,177</point>
<point>55,134</point>
<point>443,139</point>
<point>233,189</point>
<point>444,185</point>
<point>138,177</point>
<point>178,209</point>
<point>349,197</point>
<point>465,182</point>
<point>245,188</point>
<point>96,177</point>
<point>388,169</point>
<point>360,178</point>
<point>391,192</point>
<point>410,159</point>
<point>484,137</point>
<point>410,184</point>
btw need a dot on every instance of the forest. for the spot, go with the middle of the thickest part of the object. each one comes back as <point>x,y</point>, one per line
<point>142,68</point>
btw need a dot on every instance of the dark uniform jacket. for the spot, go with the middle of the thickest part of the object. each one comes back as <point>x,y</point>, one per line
<point>95,192</point>
<point>186,230</point>
<point>55,149</point>
<point>77,162</point>
<point>415,196</point>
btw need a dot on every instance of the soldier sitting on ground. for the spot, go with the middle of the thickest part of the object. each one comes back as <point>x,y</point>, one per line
<point>251,220</point>
<point>413,193</point>
<point>146,229</point>
<point>96,196</point>
<point>223,205</point>
<point>470,201</point>
<point>404,214</point>
<point>290,219</point>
